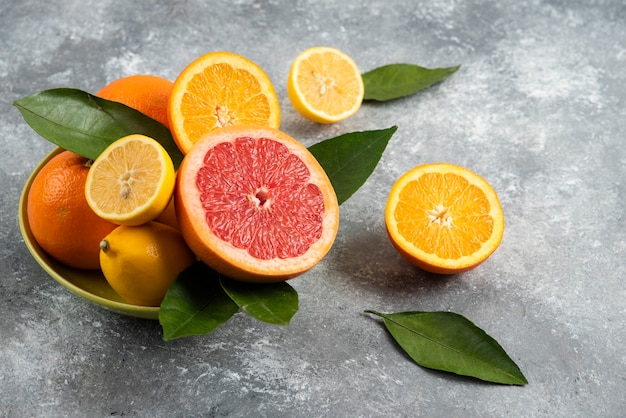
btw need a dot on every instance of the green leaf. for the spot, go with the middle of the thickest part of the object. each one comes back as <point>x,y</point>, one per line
<point>398,80</point>
<point>349,159</point>
<point>195,304</point>
<point>86,124</point>
<point>275,303</point>
<point>450,342</point>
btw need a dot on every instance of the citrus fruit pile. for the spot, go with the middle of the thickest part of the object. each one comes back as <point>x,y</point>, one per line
<point>248,200</point>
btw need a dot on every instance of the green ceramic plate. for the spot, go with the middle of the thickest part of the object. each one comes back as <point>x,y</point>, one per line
<point>90,285</point>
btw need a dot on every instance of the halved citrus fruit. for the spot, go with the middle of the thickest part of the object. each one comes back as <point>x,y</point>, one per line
<point>131,182</point>
<point>220,89</point>
<point>325,85</point>
<point>255,205</point>
<point>444,218</point>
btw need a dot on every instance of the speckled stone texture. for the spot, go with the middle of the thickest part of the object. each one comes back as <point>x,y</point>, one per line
<point>537,108</point>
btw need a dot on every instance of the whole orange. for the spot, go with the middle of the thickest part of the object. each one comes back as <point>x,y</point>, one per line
<point>60,219</point>
<point>148,94</point>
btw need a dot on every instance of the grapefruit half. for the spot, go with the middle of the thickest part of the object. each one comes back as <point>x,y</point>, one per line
<point>255,205</point>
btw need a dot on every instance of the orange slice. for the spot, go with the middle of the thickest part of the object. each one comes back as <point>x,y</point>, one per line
<point>444,218</point>
<point>220,89</point>
<point>255,205</point>
<point>325,85</point>
<point>131,182</point>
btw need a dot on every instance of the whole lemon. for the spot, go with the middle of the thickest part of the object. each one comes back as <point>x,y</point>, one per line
<point>140,262</point>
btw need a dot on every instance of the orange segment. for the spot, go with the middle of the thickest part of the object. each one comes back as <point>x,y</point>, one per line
<point>325,85</point>
<point>255,205</point>
<point>220,89</point>
<point>444,218</point>
<point>131,182</point>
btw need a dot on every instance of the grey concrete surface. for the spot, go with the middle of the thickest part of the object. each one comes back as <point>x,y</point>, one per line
<point>537,108</point>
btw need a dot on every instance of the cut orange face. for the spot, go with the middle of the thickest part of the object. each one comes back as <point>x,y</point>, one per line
<point>255,205</point>
<point>444,218</point>
<point>325,85</point>
<point>220,89</point>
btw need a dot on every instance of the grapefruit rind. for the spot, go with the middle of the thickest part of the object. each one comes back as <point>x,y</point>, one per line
<point>223,256</point>
<point>431,262</point>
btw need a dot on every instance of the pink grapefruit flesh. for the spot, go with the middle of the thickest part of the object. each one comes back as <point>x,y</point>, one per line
<point>255,205</point>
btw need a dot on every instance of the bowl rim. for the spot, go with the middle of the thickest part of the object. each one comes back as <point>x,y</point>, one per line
<point>146,312</point>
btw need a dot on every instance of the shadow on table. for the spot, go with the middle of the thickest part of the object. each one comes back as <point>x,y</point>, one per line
<point>368,260</point>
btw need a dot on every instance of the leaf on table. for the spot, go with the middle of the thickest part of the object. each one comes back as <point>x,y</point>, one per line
<point>274,303</point>
<point>85,124</point>
<point>398,80</point>
<point>450,342</point>
<point>195,304</point>
<point>350,159</point>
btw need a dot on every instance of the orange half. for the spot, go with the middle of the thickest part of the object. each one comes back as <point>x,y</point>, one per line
<point>444,218</point>
<point>217,90</point>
